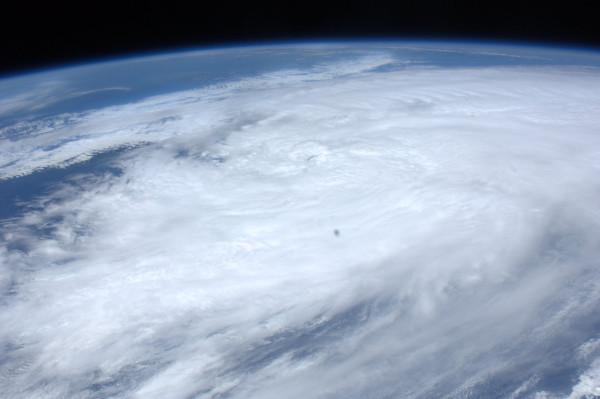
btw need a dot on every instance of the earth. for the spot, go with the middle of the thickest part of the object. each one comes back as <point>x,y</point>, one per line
<point>303,220</point>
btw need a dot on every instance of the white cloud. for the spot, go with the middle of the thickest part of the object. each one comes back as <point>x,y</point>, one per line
<point>49,142</point>
<point>589,383</point>
<point>466,202</point>
<point>39,96</point>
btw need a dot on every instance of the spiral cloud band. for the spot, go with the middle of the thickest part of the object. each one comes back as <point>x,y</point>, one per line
<point>346,230</point>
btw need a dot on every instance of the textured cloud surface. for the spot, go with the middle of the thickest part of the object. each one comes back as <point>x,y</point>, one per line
<point>465,264</point>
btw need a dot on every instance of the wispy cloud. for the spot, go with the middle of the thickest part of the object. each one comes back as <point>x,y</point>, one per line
<point>39,96</point>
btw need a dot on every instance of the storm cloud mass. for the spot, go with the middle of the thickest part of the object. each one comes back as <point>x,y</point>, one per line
<point>203,261</point>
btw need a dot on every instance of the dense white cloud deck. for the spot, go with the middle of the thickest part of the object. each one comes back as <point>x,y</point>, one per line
<point>466,201</point>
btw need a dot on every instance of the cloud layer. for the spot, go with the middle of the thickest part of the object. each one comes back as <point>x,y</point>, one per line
<point>466,264</point>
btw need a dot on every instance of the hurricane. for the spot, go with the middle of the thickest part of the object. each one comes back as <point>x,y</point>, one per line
<point>359,221</point>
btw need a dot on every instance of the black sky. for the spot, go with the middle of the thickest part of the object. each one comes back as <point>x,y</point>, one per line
<point>41,35</point>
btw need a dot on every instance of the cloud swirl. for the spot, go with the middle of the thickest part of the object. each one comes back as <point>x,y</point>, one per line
<point>465,262</point>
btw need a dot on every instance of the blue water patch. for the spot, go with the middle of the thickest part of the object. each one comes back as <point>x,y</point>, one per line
<point>115,83</point>
<point>16,193</point>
